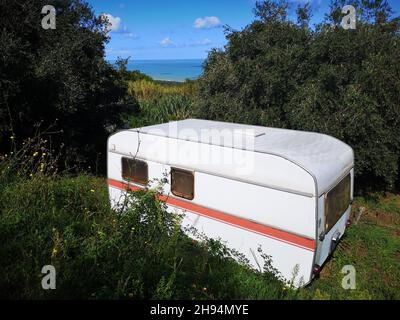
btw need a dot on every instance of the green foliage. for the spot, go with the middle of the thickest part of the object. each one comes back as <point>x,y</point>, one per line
<point>339,82</point>
<point>140,252</point>
<point>147,90</point>
<point>59,79</point>
<point>161,110</point>
<point>161,102</point>
<point>102,254</point>
<point>127,75</point>
<point>136,252</point>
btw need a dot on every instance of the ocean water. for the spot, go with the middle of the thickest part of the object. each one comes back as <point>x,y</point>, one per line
<point>169,70</point>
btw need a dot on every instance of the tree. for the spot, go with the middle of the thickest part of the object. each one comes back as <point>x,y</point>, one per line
<point>345,83</point>
<point>304,14</point>
<point>58,78</point>
<point>269,10</point>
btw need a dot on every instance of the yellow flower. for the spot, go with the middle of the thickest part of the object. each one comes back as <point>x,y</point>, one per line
<point>204,289</point>
<point>36,154</point>
<point>12,137</point>
<point>43,154</point>
<point>54,253</point>
<point>31,175</point>
<point>92,191</point>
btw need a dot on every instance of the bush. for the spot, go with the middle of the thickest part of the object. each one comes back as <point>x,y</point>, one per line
<point>343,83</point>
<point>58,79</point>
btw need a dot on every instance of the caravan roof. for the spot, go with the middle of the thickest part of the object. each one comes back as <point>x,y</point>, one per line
<point>324,157</point>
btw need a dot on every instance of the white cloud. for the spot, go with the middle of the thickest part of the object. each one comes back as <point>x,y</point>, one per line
<point>114,22</point>
<point>205,42</point>
<point>118,52</point>
<point>207,23</point>
<point>167,42</point>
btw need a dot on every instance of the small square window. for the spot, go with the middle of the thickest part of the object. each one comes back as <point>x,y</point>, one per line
<point>182,183</point>
<point>135,170</point>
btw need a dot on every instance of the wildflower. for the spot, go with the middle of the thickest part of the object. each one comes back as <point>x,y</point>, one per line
<point>204,289</point>
<point>92,191</point>
<point>36,154</point>
<point>12,137</point>
<point>43,154</point>
<point>54,252</point>
<point>131,295</point>
<point>31,175</point>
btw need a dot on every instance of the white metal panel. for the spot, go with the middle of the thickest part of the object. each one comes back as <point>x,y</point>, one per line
<point>257,168</point>
<point>282,210</point>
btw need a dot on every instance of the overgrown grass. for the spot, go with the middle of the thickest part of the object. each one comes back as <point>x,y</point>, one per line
<point>136,252</point>
<point>161,102</point>
<point>148,90</point>
<point>372,246</point>
<point>101,253</point>
<point>140,252</point>
<point>161,110</point>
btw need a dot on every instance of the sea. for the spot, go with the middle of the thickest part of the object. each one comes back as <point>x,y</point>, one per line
<point>169,70</point>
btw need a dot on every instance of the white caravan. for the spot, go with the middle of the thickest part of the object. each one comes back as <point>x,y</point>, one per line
<point>286,192</point>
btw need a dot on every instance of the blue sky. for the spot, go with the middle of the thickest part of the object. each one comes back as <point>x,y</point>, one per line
<point>179,29</point>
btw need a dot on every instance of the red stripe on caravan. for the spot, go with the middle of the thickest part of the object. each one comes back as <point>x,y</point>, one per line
<point>269,232</point>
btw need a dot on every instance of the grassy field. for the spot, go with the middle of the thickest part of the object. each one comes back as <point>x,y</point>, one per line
<point>67,222</point>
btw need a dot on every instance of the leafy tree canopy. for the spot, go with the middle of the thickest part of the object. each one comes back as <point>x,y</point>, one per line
<point>58,78</point>
<point>345,83</point>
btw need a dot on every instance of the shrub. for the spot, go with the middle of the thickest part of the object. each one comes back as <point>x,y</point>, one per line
<point>59,78</point>
<point>339,82</point>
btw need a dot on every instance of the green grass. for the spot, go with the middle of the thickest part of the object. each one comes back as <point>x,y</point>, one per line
<point>103,254</point>
<point>372,246</point>
<point>99,253</point>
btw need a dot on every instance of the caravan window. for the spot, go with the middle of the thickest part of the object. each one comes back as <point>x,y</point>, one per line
<point>337,202</point>
<point>182,183</point>
<point>135,170</point>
